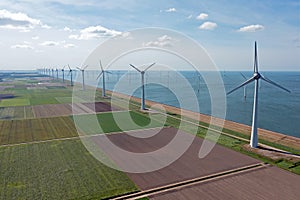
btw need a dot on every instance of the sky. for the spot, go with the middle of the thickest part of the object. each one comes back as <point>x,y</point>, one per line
<point>53,33</point>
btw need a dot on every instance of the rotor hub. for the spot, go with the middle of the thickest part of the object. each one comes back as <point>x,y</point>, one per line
<point>257,75</point>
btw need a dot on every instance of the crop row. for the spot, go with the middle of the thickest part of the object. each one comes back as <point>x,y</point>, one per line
<point>57,170</point>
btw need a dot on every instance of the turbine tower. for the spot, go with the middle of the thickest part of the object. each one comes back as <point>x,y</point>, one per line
<point>143,84</point>
<point>82,72</point>
<point>63,74</point>
<point>256,76</point>
<point>56,73</point>
<point>70,73</point>
<point>103,78</point>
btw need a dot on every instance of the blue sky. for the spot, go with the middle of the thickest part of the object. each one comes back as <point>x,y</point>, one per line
<point>36,33</point>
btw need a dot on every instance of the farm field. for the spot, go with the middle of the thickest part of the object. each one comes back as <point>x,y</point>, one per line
<point>264,183</point>
<point>18,112</point>
<point>39,129</point>
<point>57,170</point>
<point>188,166</point>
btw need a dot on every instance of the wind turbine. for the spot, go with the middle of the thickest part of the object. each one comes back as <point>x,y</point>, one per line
<point>56,73</point>
<point>70,73</point>
<point>82,72</point>
<point>256,76</point>
<point>143,84</point>
<point>103,78</point>
<point>63,73</point>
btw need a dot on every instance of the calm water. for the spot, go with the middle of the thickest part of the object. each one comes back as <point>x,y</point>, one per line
<point>278,111</point>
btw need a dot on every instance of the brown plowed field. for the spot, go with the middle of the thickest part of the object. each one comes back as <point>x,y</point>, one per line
<point>52,110</point>
<point>188,166</point>
<point>264,183</point>
<point>55,110</point>
<point>100,107</point>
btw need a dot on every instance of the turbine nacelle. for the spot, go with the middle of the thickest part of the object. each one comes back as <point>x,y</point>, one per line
<point>256,76</point>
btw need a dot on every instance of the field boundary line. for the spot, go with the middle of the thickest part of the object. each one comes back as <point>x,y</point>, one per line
<point>191,182</point>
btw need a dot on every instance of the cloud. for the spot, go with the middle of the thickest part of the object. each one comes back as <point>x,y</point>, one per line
<point>251,28</point>
<point>202,16</point>
<point>67,29</point>
<point>18,20</point>
<point>49,43</point>
<point>208,26</point>
<point>171,10</point>
<point>69,45</point>
<point>22,46</point>
<point>94,32</point>
<point>35,37</point>
<point>46,26</point>
<point>162,41</point>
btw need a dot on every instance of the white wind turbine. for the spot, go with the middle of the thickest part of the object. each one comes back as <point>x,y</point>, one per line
<point>82,72</point>
<point>71,74</point>
<point>56,73</point>
<point>103,78</point>
<point>256,76</point>
<point>63,73</point>
<point>143,83</point>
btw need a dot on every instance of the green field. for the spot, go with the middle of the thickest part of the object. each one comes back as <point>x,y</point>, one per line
<point>30,130</point>
<point>14,102</point>
<point>18,112</point>
<point>108,123</point>
<point>57,170</point>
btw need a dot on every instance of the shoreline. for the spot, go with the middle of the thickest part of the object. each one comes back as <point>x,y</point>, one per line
<point>267,135</point>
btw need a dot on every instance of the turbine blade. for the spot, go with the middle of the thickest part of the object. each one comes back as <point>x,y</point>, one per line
<point>243,84</point>
<point>101,65</point>
<point>135,68</point>
<point>149,67</point>
<point>69,67</point>
<point>108,72</point>
<point>85,67</point>
<point>243,76</point>
<point>99,75</point>
<point>255,58</point>
<point>79,68</point>
<point>275,84</point>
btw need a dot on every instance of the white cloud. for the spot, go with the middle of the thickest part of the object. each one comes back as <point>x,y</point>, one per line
<point>22,46</point>
<point>93,32</point>
<point>67,29</point>
<point>171,10</point>
<point>208,26</point>
<point>251,28</point>
<point>18,20</point>
<point>46,26</point>
<point>162,41</point>
<point>35,37</point>
<point>202,16</point>
<point>69,45</point>
<point>49,43</point>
